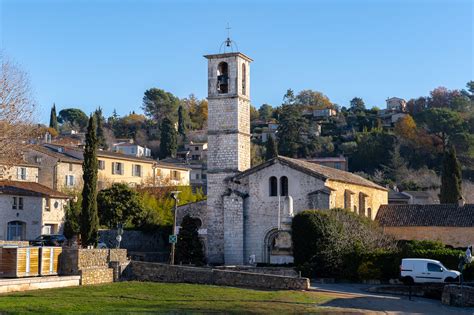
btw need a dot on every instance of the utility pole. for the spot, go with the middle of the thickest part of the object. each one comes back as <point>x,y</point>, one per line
<point>174,238</point>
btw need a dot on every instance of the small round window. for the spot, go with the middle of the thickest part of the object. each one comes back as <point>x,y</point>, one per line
<point>56,205</point>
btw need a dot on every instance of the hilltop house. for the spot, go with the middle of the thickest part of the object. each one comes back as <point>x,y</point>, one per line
<point>60,168</point>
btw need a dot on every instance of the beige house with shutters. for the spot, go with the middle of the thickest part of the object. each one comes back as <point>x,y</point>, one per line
<point>19,172</point>
<point>60,168</point>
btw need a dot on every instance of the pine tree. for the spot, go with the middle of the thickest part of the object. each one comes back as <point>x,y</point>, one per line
<point>53,118</point>
<point>189,249</point>
<point>169,139</point>
<point>271,148</point>
<point>450,178</point>
<point>101,141</point>
<point>89,215</point>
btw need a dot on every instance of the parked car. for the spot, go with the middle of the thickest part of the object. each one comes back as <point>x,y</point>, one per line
<point>420,270</point>
<point>49,240</point>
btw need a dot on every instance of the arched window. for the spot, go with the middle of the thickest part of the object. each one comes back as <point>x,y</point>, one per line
<point>355,209</point>
<point>223,77</point>
<point>244,79</point>
<point>284,186</point>
<point>273,186</point>
<point>15,231</point>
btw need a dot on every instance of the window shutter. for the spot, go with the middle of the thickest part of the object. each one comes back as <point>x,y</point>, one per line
<point>18,173</point>
<point>113,167</point>
<point>66,181</point>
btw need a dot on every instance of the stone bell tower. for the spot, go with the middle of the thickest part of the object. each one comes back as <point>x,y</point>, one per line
<point>228,137</point>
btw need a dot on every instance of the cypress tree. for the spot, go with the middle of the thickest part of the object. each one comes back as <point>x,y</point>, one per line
<point>450,178</point>
<point>189,249</point>
<point>53,118</point>
<point>169,139</point>
<point>89,215</point>
<point>271,148</point>
<point>101,141</point>
<point>181,126</point>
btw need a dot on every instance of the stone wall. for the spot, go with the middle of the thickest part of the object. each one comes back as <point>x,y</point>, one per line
<point>96,275</point>
<point>452,295</point>
<point>372,202</point>
<point>94,265</point>
<point>454,236</point>
<point>143,271</point>
<point>288,272</point>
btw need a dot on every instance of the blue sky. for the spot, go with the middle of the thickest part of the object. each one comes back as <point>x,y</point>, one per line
<point>107,53</point>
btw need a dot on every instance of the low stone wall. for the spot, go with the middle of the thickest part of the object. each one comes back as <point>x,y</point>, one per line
<point>145,271</point>
<point>17,243</point>
<point>74,259</point>
<point>288,272</point>
<point>452,295</point>
<point>94,265</point>
<point>97,275</point>
<point>24,284</point>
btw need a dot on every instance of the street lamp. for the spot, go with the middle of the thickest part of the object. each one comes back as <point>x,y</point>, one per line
<point>174,238</point>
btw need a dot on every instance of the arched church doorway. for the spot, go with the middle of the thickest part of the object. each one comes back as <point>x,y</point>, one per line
<point>278,247</point>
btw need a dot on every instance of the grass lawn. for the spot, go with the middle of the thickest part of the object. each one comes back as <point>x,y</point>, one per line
<point>132,297</point>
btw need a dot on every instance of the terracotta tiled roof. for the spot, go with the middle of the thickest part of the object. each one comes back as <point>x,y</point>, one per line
<point>28,189</point>
<point>317,170</point>
<point>426,215</point>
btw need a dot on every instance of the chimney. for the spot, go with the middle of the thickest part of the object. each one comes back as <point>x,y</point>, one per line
<point>461,202</point>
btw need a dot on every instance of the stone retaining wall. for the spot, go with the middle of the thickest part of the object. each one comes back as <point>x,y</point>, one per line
<point>74,259</point>
<point>452,295</point>
<point>94,265</point>
<point>145,271</point>
<point>279,271</point>
<point>97,275</point>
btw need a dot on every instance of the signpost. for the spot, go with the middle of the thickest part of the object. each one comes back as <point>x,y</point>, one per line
<point>173,238</point>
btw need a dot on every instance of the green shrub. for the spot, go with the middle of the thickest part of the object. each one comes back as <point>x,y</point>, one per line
<point>368,270</point>
<point>329,242</point>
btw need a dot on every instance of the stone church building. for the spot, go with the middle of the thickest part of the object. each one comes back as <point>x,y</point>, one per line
<point>248,212</point>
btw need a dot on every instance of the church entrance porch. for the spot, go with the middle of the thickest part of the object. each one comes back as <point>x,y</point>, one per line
<point>278,247</point>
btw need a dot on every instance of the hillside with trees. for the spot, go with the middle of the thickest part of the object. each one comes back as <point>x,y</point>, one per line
<point>407,152</point>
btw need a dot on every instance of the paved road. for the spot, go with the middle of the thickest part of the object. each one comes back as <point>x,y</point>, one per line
<point>355,296</point>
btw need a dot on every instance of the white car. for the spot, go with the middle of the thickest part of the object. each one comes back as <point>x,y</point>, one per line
<point>420,270</point>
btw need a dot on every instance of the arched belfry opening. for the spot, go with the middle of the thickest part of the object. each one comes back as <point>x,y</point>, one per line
<point>223,78</point>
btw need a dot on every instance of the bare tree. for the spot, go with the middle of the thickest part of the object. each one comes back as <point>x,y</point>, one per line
<point>16,110</point>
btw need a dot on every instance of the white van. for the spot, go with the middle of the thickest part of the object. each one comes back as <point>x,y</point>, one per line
<point>419,270</point>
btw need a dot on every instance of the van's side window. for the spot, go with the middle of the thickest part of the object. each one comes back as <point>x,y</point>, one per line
<point>434,268</point>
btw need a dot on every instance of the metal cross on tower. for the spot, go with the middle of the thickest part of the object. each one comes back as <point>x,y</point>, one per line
<point>228,42</point>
